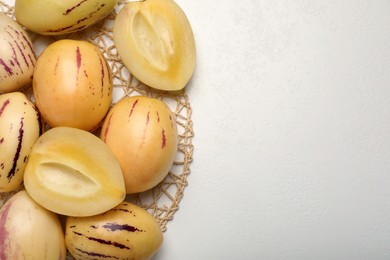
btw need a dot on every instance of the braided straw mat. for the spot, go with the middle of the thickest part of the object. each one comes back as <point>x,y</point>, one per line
<point>163,200</point>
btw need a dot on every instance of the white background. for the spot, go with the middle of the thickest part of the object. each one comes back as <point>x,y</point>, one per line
<point>291,114</point>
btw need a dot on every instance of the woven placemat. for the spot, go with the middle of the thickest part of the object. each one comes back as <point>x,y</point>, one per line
<point>163,200</point>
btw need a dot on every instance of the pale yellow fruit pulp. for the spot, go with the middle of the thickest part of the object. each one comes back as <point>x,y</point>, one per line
<point>155,42</point>
<point>72,172</point>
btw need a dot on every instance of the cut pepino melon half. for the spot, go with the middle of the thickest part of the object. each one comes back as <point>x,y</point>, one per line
<point>154,40</point>
<point>72,172</point>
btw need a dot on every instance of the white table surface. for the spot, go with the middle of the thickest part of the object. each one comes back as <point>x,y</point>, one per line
<point>291,114</point>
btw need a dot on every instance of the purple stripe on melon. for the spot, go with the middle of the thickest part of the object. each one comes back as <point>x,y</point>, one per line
<point>23,45</point>
<point>28,43</point>
<point>91,14</point>
<point>60,29</point>
<point>15,57</point>
<point>6,68</point>
<point>107,128</point>
<point>70,28</point>
<point>13,170</point>
<point>17,44</point>
<point>2,108</point>
<point>78,62</point>
<point>13,29</point>
<point>147,117</point>
<point>124,210</point>
<point>164,139</point>
<point>121,227</point>
<point>102,241</point>
<point>39,119</point>
<point>73,7</point>
<point>78,58</point>
<point>102,73</point>
<point>133,106</point>
<point>22,53</point>
<point>31,59</point>
<point>82,20</point>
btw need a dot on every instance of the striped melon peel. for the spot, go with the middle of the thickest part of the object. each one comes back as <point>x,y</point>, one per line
<point>124,232</point>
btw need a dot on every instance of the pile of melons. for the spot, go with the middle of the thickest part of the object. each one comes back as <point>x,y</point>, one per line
<point>69,171</point>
